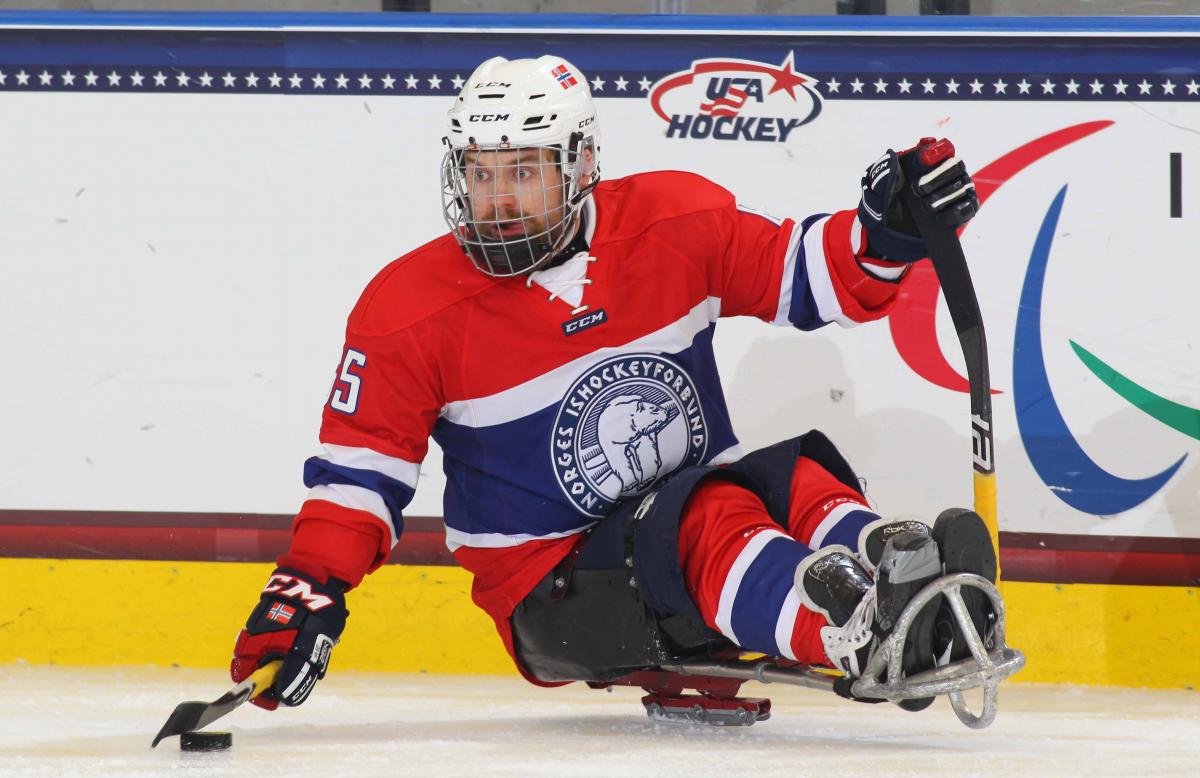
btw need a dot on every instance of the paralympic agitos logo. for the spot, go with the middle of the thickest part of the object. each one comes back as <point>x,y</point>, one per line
<point>1053,450</point>
<point>736,99</point>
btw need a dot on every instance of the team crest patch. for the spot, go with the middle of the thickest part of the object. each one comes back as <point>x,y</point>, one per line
<point>625,424</point>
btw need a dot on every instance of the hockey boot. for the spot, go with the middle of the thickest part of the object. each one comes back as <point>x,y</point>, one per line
<point>833,583</point>
<point>909,562</point>
<point>966,547</point>
<point>860,612</point>
<point>875,535</point>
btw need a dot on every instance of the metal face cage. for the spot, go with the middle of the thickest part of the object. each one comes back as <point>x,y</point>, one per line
<point>513,208</point>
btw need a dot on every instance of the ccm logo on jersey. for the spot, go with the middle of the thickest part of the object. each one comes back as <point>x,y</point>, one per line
<point>287,586</point>
<point>581,323</point>
<point>736,99</point>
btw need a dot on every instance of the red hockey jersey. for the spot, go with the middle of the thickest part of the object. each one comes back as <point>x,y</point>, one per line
<point>556,396</point>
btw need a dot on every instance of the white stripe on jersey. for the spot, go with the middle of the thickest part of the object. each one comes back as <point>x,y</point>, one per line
<point>819,281</point>
<point>769,217</point>
<point>368,459</point>
<point>456,538</point>
<point>359,499</point>
<point>789,274</point>
<point>786,624</point>
<point>831,520</point>
<point>733,580</point>
<point>549,388</point>
<point>856,236</point>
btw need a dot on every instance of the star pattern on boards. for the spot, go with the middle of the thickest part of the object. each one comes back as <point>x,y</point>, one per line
<point>841,85</point>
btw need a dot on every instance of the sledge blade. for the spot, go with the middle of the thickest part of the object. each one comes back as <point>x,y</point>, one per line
<point>190,716</point>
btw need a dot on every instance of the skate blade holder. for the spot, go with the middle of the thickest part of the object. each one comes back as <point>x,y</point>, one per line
<point>883,677</point>
<point>702,709</point>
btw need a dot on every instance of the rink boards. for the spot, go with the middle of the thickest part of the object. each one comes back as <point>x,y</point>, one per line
<point>191,204</point>
<point>421,619</point>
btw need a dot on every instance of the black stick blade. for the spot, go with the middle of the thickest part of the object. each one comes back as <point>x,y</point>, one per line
<point>190,716</point>
<point>185,718</point>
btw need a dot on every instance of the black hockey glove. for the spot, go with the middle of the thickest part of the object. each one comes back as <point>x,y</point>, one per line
<point>298,620</point>
<point>938,177</point>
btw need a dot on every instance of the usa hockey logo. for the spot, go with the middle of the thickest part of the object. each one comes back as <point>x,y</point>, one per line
<point>625,424</point>
<point>736,99</point>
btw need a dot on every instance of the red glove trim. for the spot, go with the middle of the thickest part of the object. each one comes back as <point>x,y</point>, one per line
<point>862,297</point>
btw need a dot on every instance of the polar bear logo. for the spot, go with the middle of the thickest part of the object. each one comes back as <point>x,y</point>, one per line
<point>628,430</point>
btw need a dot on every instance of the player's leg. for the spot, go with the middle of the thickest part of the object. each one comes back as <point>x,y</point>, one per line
<point>768,592</point>
<point>810,490</point>
<point>824,510</point>
<point>739,567</point>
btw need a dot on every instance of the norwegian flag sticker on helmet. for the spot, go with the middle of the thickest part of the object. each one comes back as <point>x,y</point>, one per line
<point>566,79</point>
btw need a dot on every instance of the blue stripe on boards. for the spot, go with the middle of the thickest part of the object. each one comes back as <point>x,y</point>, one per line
<point>623,64</point>
<point>396,494</point>
<point>591,23</point>
<point>804,314</point>
<point>762,592</point>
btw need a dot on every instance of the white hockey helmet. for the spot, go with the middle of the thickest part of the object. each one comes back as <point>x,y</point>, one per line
<point>521,158</point>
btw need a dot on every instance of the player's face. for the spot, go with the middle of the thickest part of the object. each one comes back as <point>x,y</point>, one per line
<point>514,193</point>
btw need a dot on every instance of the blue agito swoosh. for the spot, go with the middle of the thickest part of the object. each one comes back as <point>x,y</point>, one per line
<point>1052,449</point>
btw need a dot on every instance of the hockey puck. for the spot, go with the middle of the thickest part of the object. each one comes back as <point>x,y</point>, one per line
<point>205,741</point>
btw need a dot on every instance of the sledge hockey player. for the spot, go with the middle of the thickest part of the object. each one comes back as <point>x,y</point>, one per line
<point>557,344</point>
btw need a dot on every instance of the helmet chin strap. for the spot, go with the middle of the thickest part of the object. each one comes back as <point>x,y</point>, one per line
<point>576,244</point>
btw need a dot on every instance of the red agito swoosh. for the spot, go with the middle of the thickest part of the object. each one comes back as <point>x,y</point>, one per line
<point>912,321</point>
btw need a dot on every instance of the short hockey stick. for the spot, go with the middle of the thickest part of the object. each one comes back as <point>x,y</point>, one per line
<point>191,716</point>
<point>946,253</point>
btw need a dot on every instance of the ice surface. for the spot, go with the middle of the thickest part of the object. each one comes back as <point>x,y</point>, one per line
<point>97,721</point>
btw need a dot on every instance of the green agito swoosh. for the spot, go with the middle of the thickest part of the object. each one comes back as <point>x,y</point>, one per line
<point>1180,417</point>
